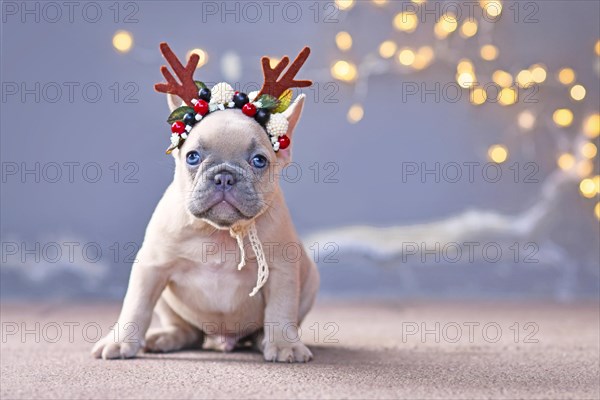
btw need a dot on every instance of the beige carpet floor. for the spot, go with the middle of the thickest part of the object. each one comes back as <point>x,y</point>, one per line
<point>362,349</point>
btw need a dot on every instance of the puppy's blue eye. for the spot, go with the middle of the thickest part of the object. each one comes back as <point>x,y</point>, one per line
<point>259,161</point>
<point>192,158</point>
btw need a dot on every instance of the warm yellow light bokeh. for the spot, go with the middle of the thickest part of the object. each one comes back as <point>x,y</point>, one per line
<point>597,47</point>
<point>498,153</point>
<point>406,56</point>
<point>344,4</point>
<point>468,29</point>
<point>566,161</point>
<point>445,25</point>
<point>577,92</point>
<point>344,71</point>
<point>591,126</point>
<point>525,78</point>
<point>563,117</point>
<point>203,56</point>
<point>589,150</point>
<point>502,78</point>
<point>492,8</point>
<point>588,188</point>
<point>355,113</point>
<point>423,58</point>
<point>343,40</point>
<point>597,210</point>
<point>538,73</point>
<point>585,168</point>
<point>465,79</point>
<point>464,65</point>
<point>122,41</point>
<point>508,96</point>
<point>273,61</point>
<point>478,96</point>
<point>566,76</point>
<point>380,2</point>
<point>387,49</point>
<point>596,180</point>
<point>406,22</point>
<point>489,52</point>
<point>526,120</point>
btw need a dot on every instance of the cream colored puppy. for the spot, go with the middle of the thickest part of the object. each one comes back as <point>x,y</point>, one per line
<point>226,175</point>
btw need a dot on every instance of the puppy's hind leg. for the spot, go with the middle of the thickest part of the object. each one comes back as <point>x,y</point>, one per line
<point>174,334</point>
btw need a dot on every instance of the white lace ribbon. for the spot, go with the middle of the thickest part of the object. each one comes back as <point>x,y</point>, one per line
<point>263,267</point>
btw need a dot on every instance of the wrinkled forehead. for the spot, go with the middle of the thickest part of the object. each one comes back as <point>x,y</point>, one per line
<point>228,133</point>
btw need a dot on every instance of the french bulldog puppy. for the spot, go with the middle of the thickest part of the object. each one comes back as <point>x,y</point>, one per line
<point>226,175</point>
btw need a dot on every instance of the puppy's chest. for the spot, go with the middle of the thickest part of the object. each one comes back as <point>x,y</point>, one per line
<point>213,287</point>
<point>215,275</point>
<point>209,269</point>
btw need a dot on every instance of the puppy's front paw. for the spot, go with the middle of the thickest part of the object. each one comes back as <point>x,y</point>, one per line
<point>107,348</point>
<point>287,352</point>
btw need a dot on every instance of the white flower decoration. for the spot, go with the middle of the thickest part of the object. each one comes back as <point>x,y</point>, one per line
<point>221,93</point>
<point>252,95</point>
<point>277,125</point>
<point>174,140</point>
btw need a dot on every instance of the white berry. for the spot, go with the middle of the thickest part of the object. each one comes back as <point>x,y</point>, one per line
<point>221,93</point>
<point>277,125</point>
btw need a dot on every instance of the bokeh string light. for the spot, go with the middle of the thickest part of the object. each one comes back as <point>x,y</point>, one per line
<point>571,119</point>
<point>122,41</point>
<point>578,148</point>
<point>203,56</point>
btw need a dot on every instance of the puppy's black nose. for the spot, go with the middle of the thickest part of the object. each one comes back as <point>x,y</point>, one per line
<point>224,180</point>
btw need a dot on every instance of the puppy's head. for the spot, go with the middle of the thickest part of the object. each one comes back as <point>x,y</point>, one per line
<point>227,169</point>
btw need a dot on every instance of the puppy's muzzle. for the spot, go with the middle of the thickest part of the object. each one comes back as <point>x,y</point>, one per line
<point>224,177</point>
<point>224,181</point>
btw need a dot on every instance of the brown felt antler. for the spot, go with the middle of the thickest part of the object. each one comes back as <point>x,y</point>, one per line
<point>275,87</point>
<point>187,90</point>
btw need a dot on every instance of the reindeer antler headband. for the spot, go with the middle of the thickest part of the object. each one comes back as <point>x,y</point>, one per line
<point>265,105</point>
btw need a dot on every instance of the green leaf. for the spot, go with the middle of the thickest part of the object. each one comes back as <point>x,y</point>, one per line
<point>269,102</point>
<point>284,101</point>
<point>200,85</point>
<point>178,113</point>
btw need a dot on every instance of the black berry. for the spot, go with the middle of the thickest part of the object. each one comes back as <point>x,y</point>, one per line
<point>262,116</point>
<point>189,119</point>
<point>240,99</point>
<point>204,94</point>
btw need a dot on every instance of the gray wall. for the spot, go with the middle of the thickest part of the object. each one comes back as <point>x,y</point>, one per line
<point>130,137</point>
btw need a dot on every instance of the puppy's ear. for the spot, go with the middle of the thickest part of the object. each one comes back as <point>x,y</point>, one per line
<point>293,113</point>
<point>174,102</point>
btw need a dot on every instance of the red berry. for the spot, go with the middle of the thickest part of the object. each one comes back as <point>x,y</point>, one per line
<point>249,109</point>
<point>284,142</point>
<point>201,107</point>
<point>178,127</point>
